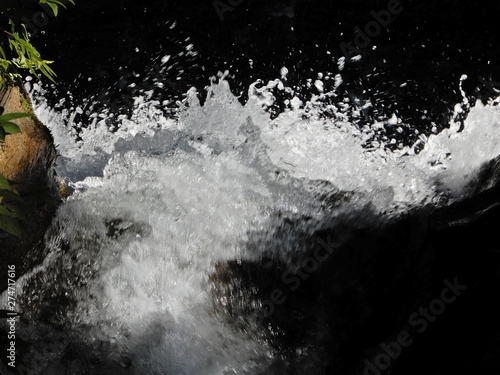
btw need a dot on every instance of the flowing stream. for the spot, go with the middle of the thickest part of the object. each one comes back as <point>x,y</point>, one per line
<point>159,205</point>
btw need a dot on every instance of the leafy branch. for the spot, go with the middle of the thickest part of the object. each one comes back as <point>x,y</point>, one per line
<point>16,51</point>
<point>15,46</point>
<point>55,4</point>
<point>27,55</point>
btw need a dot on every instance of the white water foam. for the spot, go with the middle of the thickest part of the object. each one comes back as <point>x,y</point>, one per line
<point>159,202</point>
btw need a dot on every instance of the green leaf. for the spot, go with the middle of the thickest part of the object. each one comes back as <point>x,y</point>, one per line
<point>10,196</point>
<point>2,134</point>
<point>10,225</point>
<point>14,116</point>
<point>54,8</point>
<point>11,210</point>
<point>10,127</point>
<point>27,55</point>
<point>4,183</point>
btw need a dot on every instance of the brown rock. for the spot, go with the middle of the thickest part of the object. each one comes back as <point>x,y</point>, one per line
<point>27,159</point>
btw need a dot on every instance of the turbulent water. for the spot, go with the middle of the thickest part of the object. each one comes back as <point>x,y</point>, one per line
<point>159,204</point>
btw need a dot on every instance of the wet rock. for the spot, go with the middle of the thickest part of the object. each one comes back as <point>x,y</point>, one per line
<point>335,314</point>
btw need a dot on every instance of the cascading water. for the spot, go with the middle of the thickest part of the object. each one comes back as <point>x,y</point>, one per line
<point>160,205</point>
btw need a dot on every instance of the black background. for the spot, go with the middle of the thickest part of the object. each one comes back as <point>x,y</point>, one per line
<point>428,46</point>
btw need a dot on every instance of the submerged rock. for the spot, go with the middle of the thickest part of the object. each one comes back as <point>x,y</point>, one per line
<point>427,279</point>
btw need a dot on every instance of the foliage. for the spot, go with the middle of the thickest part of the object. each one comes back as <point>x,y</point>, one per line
<point>15,46</point>
<point>10,212</point>
<point>8,127</point>
<point>16,51</point>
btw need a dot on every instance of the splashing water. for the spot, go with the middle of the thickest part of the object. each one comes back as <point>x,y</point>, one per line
<point>159,202</point>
